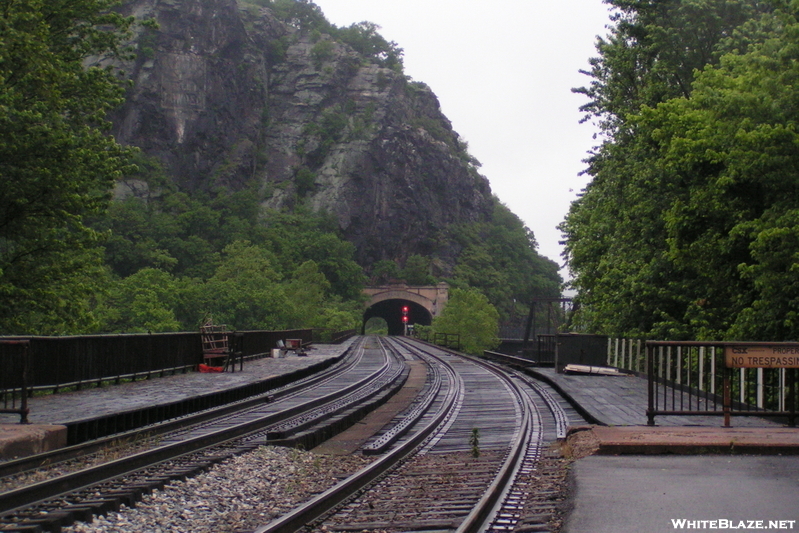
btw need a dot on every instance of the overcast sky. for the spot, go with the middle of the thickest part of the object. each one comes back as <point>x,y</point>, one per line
<point>503,71</point>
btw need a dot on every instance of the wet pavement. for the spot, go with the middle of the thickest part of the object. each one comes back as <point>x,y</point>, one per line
<point>69,407</point>
<point>667,493</point>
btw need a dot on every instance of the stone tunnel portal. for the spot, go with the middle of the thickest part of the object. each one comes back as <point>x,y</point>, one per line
<point>391,312</point>
<point>387,302</point>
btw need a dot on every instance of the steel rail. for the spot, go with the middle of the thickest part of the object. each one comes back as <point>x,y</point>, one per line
<point>328,500</point>
<point>483,512</point>
<point>26,497</point>
<point>560,416</point>
<point>47,459</point>
<point>399,430</point>
<point>526,446</point>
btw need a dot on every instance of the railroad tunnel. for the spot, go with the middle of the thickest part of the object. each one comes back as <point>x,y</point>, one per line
<point>422,302</point>
<point>392,312</point>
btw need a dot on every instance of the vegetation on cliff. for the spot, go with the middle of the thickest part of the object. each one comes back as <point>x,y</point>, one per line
<point>176,259</point>
<point>253,205</point>
<point>690,227</point>
<point>363,37</point>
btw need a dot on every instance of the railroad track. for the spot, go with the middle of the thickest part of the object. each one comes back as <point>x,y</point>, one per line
<point>427,473</point>
<point>458,460</point>
<point>302,412</point>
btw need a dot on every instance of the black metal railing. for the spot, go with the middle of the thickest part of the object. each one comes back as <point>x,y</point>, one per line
<point>448,340</point>
<point>77,361</point>
<point>545,346</point>
<point>337,337</point>
<point>15,364</point>
<point>692,379</point>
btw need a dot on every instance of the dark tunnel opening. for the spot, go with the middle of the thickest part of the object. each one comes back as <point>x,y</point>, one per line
<point>392,312</point>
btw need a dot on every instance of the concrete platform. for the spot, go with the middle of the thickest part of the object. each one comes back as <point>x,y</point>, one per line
<point>91,403</point>
<point>668,493</point>
<point>689,440</point>
<point>616,405</point>
<point>54,416</point>
<point>22,440</point>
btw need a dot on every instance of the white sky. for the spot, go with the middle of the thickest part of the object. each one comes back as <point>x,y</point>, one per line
<point>503,71</point>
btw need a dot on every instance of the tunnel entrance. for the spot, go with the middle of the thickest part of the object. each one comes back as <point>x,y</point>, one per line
<point>392,312</point>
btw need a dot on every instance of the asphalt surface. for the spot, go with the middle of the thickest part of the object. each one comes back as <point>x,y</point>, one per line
<point>652,494</point>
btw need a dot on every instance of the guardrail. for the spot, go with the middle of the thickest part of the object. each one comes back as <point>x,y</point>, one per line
<point>337,337</point>
<point>541,350</point>
<point>77,361</point>
<point>701,378</point>
<point>628,354</point>
<point>14,378</point>
<point>448,340</point>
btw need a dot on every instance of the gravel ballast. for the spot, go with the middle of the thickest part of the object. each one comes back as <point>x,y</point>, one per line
<point>236,495</point>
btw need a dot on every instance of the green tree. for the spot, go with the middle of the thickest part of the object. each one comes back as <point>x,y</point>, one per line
<point>500,258</point>
<point>729,230</point>
<point>307,291</point>
<point>302,14</point>
<point>365,39</point>
<point>384,271</point>
<point>302,236</point>
<point>417,271</point>
<point>469,314</point>
<point>245,291</point>
<point>339,316</point>
<point>144,301</point>
<point>652,51</point>
<point>57,165</point>
<point>687,230</point>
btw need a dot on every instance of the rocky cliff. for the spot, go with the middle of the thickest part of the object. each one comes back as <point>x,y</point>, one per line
<point>226,94</point>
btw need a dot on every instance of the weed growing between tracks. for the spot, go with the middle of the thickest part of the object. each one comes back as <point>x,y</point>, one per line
<point>552,483</point>
<point>474,442</point>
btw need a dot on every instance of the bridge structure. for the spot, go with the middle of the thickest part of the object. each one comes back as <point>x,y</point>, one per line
<point>391,302</point>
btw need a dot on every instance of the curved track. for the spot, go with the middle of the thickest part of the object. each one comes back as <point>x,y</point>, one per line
<point>459,458</point>
<point>451,462</point>
<point>367,375</point>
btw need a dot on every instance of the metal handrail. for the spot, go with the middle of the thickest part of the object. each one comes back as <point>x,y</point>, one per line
<point>23,364</point>
<point>690,378</point>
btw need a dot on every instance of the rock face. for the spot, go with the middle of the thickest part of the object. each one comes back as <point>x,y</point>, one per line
<point>227,96</point>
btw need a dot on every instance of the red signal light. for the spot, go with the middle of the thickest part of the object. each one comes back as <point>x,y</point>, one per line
<point>405,319</point>
<point>405,310</point>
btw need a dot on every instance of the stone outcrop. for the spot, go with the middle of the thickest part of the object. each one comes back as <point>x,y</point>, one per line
<point>227,95</point>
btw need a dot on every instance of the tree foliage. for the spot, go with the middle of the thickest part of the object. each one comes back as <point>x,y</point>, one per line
<point>417,271</point>
<point>469,314</point>
<point>500,259</point>
<point>653,50</point>
<point>227,259</point>
<point>363,37</point>
<point>688,229</point>
<point>57,164</point>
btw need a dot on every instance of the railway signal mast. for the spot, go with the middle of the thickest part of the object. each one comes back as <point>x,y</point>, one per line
<point>405,320</point>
